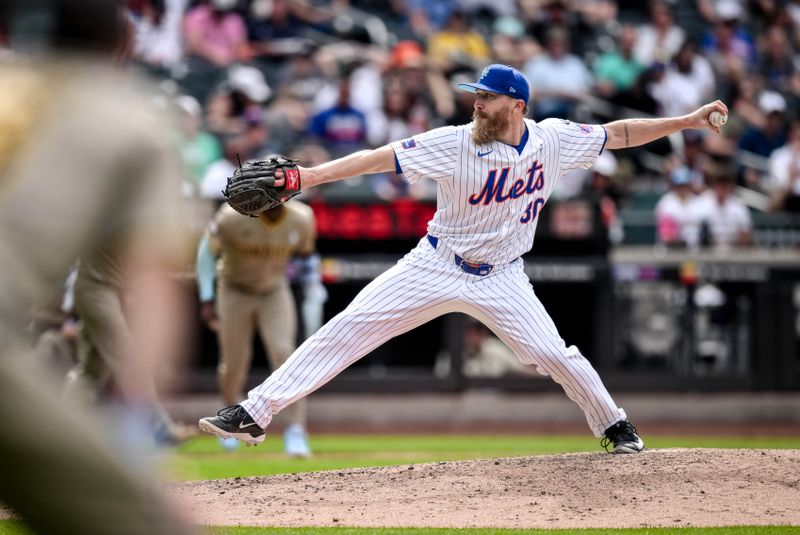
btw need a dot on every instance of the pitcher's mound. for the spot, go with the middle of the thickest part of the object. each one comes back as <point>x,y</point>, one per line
<point>676,487</point>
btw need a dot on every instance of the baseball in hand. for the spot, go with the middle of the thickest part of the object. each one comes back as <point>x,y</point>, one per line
<point>717,119</point>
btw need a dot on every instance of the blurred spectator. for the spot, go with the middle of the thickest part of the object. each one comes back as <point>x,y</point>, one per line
<point>598,12</point>
<point>341,128</point>
<point>273,29</point>
<point>158,41</point>
<point>413,24</point>
<point>287,120</point>
<point>456,44</point>
<point>745,109</point>
<point>214,37</point>
<point>217,173</point>
<point>728,46</point>
<point>792,11</point>
<point>777,60</point>
<point>605,195</point>
<point>433,15</point>
<point>784,166</point>
<point>694,159</point>
<point>559,79</point>
<point>725,217</point>
<point>366,85</point>
<point>543,15</point>
<point>198,148</point>
<point>638,96</point>
<point>394,14</point>
<point>214,32</point>
<point>715,10</point>
<point>424,81</point>
<point>301,78</point>
<point>617,70</point>
<point>272,20</point>
<point>258,138</point>
<point>400,118</point>
<point>659,40</point>
<point>677,219</point>
<point>686,84</point>
<point>277,31</point>
<point>510,44</point>
<point>238,101</point>
<point>762,141</point>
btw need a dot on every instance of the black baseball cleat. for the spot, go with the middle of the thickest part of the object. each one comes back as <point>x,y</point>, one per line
<point>233,422</point>
<point>622,435</point>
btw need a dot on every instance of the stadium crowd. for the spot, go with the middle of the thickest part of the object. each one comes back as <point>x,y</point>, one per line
<point>319,79</point>
<point>316,79</point>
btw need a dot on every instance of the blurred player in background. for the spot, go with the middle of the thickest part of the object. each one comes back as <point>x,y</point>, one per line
<point>254,293</point>
<point>102,295</point>
<point>80,159</point>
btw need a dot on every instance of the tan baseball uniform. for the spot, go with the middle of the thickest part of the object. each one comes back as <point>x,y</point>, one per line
<point>253,291</point>
<point>79,159</point>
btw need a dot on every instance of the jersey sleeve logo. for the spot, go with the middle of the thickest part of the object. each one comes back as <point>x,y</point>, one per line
<point>585,128</point>
<point>408,143</point>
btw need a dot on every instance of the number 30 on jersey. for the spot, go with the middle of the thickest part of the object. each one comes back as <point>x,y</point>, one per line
<point>530,212</point>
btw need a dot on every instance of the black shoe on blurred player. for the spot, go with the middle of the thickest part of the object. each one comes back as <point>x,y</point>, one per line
<point>622,435</point>
<point>233,422</point>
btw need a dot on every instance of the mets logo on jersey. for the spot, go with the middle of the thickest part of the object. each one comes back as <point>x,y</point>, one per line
<point>409,143</point>
<point>585,128</point>
<point>494,190</point>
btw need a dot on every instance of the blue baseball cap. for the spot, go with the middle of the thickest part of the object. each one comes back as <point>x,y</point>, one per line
<point>503,80</point>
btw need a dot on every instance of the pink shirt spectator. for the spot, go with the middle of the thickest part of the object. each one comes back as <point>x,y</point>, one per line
<point>215,37</point>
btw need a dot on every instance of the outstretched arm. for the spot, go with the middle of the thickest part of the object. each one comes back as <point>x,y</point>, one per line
<point>380,160</point>
<point>635,132</point>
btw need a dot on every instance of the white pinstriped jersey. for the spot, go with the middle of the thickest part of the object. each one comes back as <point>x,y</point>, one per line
<point>490,196</point>
<point>489,199</point>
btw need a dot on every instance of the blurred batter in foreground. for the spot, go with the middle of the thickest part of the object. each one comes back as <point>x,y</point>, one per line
<point>80,159</point>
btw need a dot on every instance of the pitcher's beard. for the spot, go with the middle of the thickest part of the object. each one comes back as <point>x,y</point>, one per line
<point>487,128</point>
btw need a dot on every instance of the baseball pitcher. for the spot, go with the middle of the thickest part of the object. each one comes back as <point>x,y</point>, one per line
<point>253,293</point>
<point>493,177</point>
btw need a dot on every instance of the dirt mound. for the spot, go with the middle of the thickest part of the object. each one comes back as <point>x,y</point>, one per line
<point>675,487</point>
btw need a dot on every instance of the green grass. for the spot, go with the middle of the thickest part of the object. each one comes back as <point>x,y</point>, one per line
<point>15,528</point>
<point>204,458</point>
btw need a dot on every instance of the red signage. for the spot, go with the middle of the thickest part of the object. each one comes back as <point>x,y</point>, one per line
<point>401,219</point>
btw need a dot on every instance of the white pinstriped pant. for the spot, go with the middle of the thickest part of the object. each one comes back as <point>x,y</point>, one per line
<point>423,285</point>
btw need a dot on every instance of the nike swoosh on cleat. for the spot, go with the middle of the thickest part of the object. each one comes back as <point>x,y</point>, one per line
<point>482,154</point>
<point>241,426</point>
